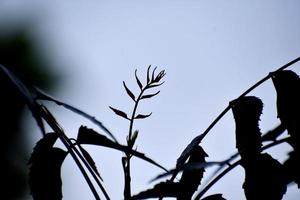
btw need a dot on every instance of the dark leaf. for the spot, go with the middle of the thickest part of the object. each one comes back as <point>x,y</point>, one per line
<point>148,74</point>
<point>163,189</point>
<point>119,112</point>
<point>129,92</point>
<point>153,74</point>
<point>246,111</point>
<point>264,178</point>
<point>138,80</point>
<point>214,197</point>
<point>142,116</point>
<point>43,145</point>
<point>45,168</point>
<point>90,160</point>
<point>149,95</point>
<point>191,178</point>
<point>89,136</point>
<point>287,85</point>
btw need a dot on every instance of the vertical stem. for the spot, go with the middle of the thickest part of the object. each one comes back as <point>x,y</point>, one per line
<point>127,188</point>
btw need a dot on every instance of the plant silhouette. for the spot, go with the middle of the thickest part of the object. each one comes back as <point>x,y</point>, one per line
<point>265,177</point>
<point>287,85</point>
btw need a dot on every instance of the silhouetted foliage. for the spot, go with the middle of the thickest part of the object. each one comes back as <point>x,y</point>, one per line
<point>287,85</point>
<point>265,177</point>
<point>45,167</point>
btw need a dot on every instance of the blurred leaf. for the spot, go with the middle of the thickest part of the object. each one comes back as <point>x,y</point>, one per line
<point>149,95</point>
<point>138,80</point>
<point>163,189</point>
<point>45,168</point>
<point>142,116</point>
<point>89,136</point>
<point>90,160</point>
<point>214,197</point>
<point>119,112</point>
<point>129,92</point>
<point>272,135</point>
<point>29,95</point>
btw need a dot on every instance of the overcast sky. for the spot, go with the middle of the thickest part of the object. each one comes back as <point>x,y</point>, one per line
<point>212,51</point>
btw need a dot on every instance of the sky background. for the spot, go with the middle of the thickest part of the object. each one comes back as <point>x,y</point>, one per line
<point>212,51</point>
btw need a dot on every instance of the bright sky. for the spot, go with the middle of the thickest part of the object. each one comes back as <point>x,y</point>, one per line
<point>212,51</point>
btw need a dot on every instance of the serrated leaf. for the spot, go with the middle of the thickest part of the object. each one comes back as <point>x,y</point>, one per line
<point>43,145</point>
<point>138,80</point>
<point>191,178</point>
<point>45,168</point>
<point>89,136</point>
<point>128,91</point>
<point>90,160</point>
<point>149,95</point>
<point>140,116</point>
<point>119,112</point>
<point>148,74</point>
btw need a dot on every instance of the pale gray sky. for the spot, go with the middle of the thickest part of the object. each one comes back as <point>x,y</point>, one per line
<point>212,51</point>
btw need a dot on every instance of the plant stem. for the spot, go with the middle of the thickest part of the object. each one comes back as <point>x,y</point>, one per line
<point>127,188</point>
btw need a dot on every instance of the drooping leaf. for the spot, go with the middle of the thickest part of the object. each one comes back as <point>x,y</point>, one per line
<point>128,91</point>
<point>214,197</point>
<point>119,112</point>
<point>287,86</point>
<point>149,95</point>
<point>138,80</point>
<point>45,168</point>
<point>163,189</point>
<point>89,136</point>
<point>140,116</point>
<point>90,160</point>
